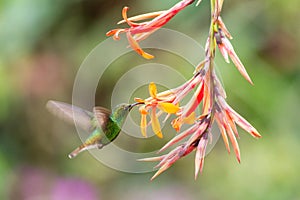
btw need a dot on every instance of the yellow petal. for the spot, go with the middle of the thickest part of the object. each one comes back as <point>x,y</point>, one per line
<point>176,123</point>
<point>136,47</point>
<point>190,119</point>
<point>143,110</point>
<point>144,125</point>
<point>168,107</point>
<point>152,90</point>
<point>155,124</point>
<point>145,54</point>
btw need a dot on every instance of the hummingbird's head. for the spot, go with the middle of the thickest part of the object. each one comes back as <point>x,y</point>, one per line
<point>121,111</point>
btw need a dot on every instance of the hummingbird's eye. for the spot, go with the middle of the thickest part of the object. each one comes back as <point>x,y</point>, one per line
<point>128,107</point>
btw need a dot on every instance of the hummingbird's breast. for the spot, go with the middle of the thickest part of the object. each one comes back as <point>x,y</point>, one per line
<point>111,131</point>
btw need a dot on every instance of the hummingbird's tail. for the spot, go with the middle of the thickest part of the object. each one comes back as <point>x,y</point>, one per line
<point>76,151</point>
<point>82,148</point>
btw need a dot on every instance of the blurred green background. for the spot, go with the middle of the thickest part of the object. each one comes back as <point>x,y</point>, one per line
<point>43,43</point>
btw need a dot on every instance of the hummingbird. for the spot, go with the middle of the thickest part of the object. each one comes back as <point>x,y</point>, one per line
<point>102,124</point>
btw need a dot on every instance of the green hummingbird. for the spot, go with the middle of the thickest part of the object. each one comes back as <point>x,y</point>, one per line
<point>103,125</point>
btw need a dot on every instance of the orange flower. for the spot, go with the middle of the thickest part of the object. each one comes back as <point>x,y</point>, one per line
<point>168,102</point>
<point>140,31</point>
<point>162,101</point>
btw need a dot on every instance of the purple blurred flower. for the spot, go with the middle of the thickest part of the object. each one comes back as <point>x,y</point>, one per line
<point>70,188</point>
<point>34,183</point>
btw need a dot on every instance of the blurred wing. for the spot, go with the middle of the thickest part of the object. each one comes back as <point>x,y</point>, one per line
<point>102,115</point>
<point>71,114</point>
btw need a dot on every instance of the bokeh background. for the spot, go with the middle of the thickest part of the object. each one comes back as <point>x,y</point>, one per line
<point>43,43</point>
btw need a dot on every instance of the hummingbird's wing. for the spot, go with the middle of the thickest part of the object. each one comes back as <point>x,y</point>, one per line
<point>66,112</point>
<point>102,115</point>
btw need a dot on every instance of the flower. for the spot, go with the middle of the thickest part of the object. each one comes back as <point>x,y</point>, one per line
<point>198,138</point>
<point>226,49</point>
<point>214,108</point>
<point>168,102</point>
<point>163,101</point>
<point>140,31</point>
<point>205,84</point>
<point>167,160</point>
<point>187,114</point>
<point>227,119</point>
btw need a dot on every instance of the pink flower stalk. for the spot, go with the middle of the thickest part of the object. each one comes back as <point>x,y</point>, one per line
<point>140,31</point>
<point>197,135</point>
<point>167,160</point>
<point>227,119</point>
<point>207,88</point>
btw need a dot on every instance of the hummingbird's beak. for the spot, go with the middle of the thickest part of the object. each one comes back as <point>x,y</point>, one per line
<point>130,106</point>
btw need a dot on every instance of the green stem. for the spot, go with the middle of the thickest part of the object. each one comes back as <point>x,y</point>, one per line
<point>212,50</point>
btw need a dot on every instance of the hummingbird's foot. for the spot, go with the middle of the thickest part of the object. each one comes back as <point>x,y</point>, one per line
<point>100,146</point>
